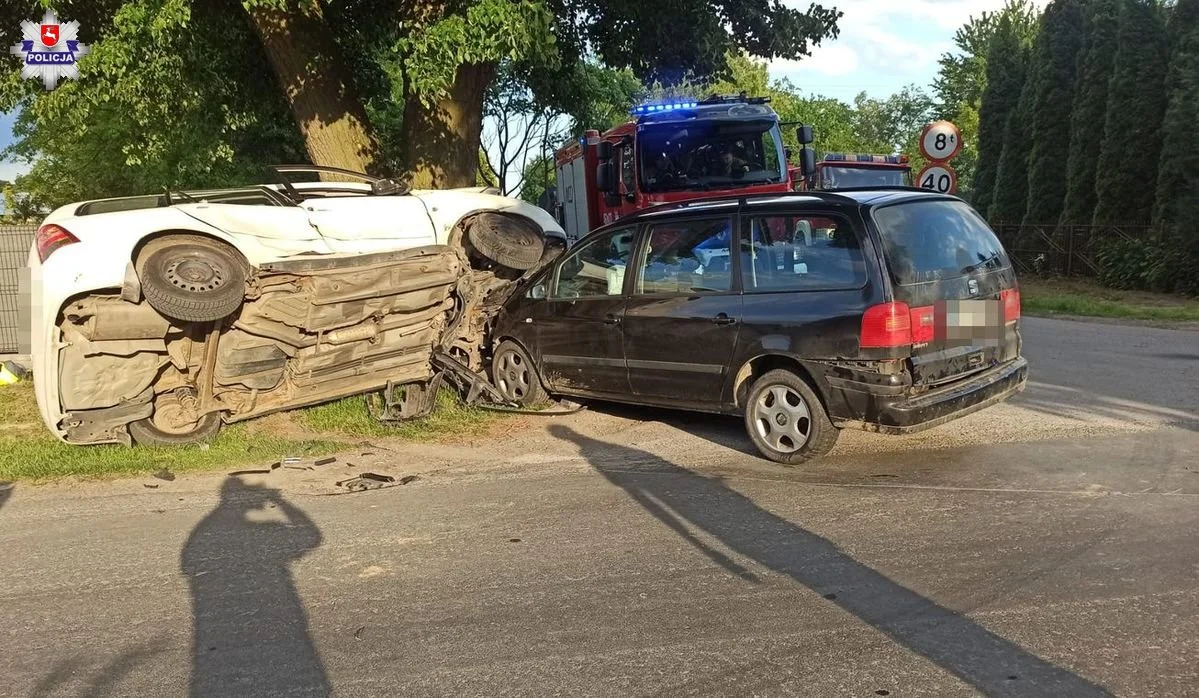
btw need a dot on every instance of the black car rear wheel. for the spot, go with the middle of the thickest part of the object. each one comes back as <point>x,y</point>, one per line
<point>786,421</point>
<point>512,371</point>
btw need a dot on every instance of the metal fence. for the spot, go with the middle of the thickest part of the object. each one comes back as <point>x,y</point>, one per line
<point>15,241</point>
<point>1068,250</point>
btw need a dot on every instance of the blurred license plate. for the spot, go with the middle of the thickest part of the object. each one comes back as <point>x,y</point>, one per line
<point>972,313</point>
<point>973,322</point>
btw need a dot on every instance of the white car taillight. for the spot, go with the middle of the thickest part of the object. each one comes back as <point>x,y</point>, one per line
<point>50,237</point>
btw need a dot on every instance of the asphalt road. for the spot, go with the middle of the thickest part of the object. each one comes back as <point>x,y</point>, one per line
<point>1044,547</point>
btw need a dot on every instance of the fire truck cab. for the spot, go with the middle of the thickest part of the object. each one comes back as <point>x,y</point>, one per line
<point>672,152</point>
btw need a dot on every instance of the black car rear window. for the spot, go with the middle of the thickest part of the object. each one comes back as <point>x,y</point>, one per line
<point>936,239</point>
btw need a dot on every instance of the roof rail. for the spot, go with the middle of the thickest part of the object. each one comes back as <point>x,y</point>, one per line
<point>740,200</point>
<point>889,187</point>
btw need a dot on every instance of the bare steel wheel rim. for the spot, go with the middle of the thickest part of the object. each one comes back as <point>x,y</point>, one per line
<point>512,376</point>
<point>195,274</point>
<point>782,419</point>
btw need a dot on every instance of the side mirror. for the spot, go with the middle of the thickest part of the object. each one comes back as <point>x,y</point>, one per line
<point>538,292</point>
<point>804,135</point>
<point>605,177</point>
<point>604,151</point>
<point>807,161</point>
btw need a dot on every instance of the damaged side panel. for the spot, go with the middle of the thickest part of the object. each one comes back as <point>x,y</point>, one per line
<point>308,331</point>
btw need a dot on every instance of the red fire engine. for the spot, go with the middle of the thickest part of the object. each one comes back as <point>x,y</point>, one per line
<point>673,152</point>
<point>843,171</point>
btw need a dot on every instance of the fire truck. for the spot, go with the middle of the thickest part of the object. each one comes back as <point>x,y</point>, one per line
<point>674,151</point>
<point>846,170</point>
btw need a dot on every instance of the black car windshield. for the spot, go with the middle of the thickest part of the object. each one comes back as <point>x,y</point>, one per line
<point>936,239</point>
<point>844,176</point>
<point>710,155</point>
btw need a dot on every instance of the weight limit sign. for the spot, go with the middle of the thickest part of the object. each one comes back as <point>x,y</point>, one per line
<point>941,141</point>
<point>939,178</point>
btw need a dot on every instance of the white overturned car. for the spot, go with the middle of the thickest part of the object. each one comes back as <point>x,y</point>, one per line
<point>158,318</point>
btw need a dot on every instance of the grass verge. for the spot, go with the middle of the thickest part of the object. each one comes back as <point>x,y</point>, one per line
<point>1086,298</point>
<point>28,451</point>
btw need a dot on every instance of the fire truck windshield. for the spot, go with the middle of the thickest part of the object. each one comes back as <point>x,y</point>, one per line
<point>710,155</point>
<point>846,176</point>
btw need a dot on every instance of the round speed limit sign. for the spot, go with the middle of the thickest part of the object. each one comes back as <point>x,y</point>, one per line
<point>941,141</point>
<point>939,178</point>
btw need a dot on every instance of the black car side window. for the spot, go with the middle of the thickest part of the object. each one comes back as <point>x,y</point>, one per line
<point>596,267</point>
<point>800,253</point>
<point>687,257</point>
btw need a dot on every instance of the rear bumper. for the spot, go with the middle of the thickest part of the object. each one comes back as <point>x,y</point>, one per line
<point>886,412</point>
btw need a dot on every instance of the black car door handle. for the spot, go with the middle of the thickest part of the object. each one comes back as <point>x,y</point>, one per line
<point>723,319</point>
<point>611,319</point>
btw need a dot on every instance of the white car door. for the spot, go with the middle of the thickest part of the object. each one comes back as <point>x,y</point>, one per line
<point>285,230</point>
<point>365,224</point>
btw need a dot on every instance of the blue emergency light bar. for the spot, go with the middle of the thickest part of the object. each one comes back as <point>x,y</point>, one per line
<point>861,157</point>
<point>653,108</point>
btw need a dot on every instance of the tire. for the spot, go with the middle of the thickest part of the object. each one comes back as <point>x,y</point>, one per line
<point>191,278</point>
<point>513,372</point>
<point>786,421</point>
<point>144,432</point>
<point>507,241</point>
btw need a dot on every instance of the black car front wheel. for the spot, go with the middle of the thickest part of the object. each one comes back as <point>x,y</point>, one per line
<point>786,421</point>
<point>512,371</point>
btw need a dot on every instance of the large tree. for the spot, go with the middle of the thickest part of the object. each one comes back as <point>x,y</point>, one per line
<point>1054,69</point>
<point>1090,109</point>
<point>1006,55</point>
<point>1177,207</point>
<point>1136,101</point>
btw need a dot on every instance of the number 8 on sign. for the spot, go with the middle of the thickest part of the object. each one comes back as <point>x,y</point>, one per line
<point>939,178</point>
<point>941,141</point>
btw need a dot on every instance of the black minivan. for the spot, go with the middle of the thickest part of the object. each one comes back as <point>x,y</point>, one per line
<point>891,310</point>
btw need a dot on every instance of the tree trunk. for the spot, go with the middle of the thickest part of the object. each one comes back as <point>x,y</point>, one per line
<point>323,100</point>
<point>441,143</point>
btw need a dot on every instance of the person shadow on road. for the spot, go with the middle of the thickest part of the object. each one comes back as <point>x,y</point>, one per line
<point>251,634</point>
<point>687,502</point>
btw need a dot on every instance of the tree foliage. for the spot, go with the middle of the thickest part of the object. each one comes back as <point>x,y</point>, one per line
<point>1053,72</point>
<point>1090,109</point>
<point>1010,198</point>
<point>1005,68</point>
<point>1177,206</point>
<point>1131,148</point>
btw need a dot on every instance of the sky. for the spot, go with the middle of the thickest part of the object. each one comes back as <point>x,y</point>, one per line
<point>883,46</point>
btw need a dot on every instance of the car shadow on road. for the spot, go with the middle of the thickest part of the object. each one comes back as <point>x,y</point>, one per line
<point>6,489</point>
<point>251,634</point>
<point>687,501</point>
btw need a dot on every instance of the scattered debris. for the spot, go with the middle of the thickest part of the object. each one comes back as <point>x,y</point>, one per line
<point>291,460</point>
<point>150,485</point>
<point>298,467</point>
<point>165,474</point>
<point>262,471</point>
<point>12,373</point>
<point>513,540</point>
<point>358,632</point>
<point>325,461</point>
<point>205,446</point>
<point>367,481</point>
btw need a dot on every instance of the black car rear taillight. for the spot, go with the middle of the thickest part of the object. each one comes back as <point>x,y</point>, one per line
<point>886,325</point>
<point>1011,304</point>
<point>50,237</point>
